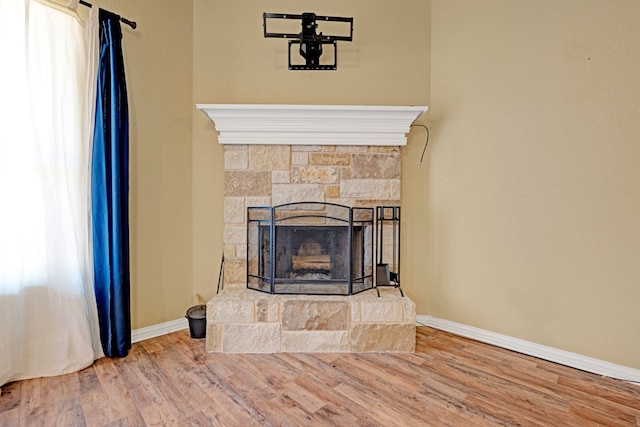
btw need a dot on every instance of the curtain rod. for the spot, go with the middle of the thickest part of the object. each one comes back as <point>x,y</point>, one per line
<point>132,24</point>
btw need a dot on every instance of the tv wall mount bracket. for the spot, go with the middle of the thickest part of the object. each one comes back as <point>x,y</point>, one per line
<point>309,41</point>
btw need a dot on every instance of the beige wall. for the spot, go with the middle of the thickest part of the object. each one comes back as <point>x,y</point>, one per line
<point>534,172</point>
<point>158,62</point>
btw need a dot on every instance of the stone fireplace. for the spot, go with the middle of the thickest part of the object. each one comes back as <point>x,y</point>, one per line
<point>310,157</point>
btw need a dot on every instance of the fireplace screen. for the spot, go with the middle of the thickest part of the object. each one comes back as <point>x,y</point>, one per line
<point>310,248</point>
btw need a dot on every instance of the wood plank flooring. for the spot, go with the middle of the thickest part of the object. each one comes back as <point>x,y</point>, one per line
<point>449,381</point>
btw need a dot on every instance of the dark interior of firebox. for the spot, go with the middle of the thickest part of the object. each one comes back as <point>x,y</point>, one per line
<point>315,252</point>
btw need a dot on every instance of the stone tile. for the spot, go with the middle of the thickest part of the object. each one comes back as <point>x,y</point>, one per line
<point>352,148</point>
<point>363,215</point>
<point>315,315</point>
<point>370,203</point>
<point>234,234</point>
<point>382,311</point>
<point>273,311</point>
<point>222,310</point>
<point>330,159</point>
<point>332,191</point>
<point>306,148</point>
<point>240,251</point>
<point>345,173</point>
<point>409,310</point>
<point>375,166</point>
<point>236,159</point>
<point>370,188</point>
<point>258,201</point>
<point>355,311</point>
<point>383,338</point>
<point>395,190</point>
<point>288,193</point>
<point>315,175</point>
<point>234,210</point>
<point>251,338</point>
<point>247,183</point>
<point>214,338</point>
<point>299,158</point>
<point>384,149</point>
<point>261,311</point>
<point>342,201</point>
<point>315,341</point>
<point>269,157</point>
<point>280,177</point>
<point>235,271</point>
<point>230,251</point>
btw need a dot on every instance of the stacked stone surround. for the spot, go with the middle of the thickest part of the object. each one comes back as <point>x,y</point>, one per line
<point>270,175</point>
<point>246,321</point>
<point>240,320</point>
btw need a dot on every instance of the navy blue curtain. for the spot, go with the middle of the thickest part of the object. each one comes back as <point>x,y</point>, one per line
<point>110,193</point>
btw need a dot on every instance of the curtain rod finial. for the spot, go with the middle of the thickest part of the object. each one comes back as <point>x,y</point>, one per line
<point>132,24</point>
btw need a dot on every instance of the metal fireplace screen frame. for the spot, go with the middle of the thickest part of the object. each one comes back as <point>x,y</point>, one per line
<point>345,269</point>
<point>388,247</point>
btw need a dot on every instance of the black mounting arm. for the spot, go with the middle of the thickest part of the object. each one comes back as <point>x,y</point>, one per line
<point>310,42</point>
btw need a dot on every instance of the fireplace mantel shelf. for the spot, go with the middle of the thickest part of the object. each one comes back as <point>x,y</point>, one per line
<point>312,124</point>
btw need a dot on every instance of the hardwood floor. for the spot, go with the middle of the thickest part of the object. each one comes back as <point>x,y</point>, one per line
<point>171,380</point>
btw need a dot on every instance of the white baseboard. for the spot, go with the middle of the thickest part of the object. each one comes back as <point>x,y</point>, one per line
<point>551,354</point>
<point>159,329</point>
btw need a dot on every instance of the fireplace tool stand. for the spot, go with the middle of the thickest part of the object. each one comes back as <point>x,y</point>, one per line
<point>388,247</point>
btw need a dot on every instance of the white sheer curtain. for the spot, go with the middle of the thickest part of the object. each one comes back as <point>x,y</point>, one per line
<point>48,317</point>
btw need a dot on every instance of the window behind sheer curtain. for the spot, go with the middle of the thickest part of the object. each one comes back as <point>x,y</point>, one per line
<point>48,318</point>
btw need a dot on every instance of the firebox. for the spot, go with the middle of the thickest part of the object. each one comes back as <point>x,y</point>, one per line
<point>311,248</point>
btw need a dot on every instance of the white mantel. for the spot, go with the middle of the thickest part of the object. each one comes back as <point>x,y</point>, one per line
<point>312,124</point>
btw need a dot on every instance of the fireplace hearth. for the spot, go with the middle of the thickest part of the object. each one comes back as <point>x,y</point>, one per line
<point>310,248</point>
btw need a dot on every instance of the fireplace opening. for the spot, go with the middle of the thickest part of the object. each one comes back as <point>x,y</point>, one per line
<point>310,248</point>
